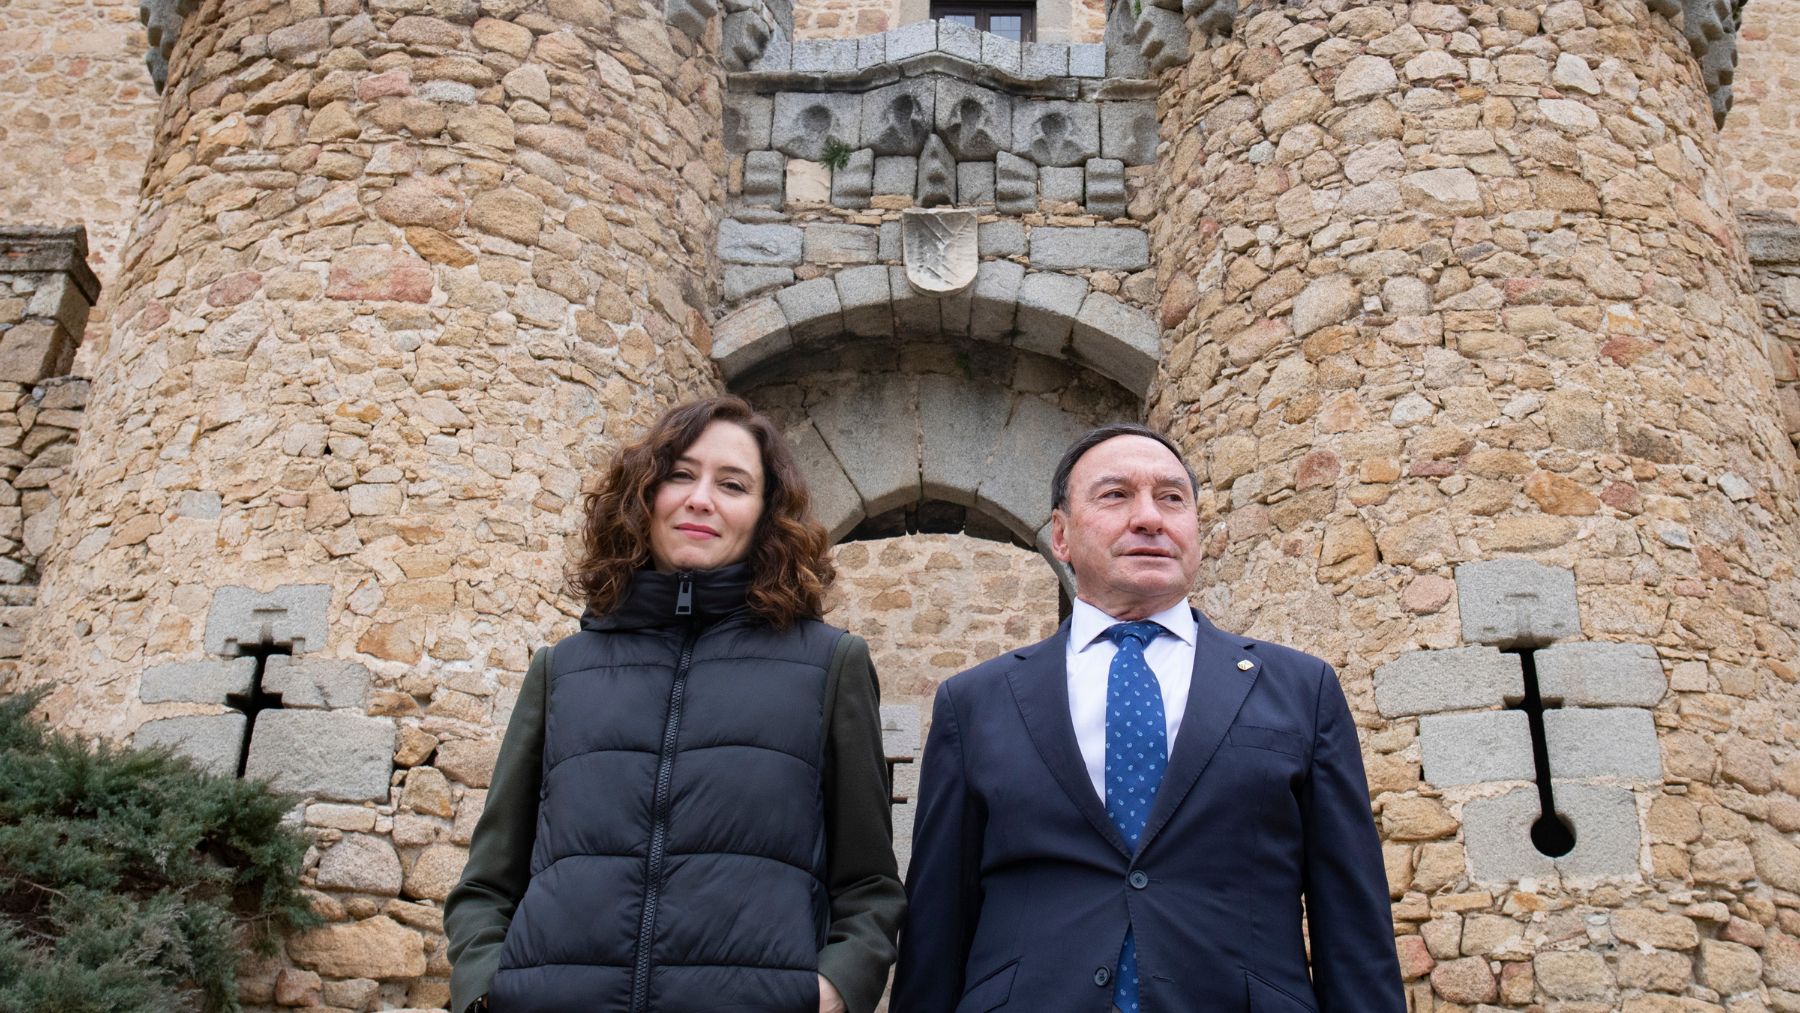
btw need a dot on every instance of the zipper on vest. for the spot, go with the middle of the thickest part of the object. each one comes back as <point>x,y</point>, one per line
<point>659,807</point>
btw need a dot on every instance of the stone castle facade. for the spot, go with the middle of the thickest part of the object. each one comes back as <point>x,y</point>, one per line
<point>1477,325</point>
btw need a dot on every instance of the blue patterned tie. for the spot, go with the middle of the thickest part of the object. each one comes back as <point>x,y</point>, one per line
<point>1136,753</point>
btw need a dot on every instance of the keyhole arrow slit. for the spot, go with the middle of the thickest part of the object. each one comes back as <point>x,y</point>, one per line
<point>257,699</point>
<point>1551,834</point>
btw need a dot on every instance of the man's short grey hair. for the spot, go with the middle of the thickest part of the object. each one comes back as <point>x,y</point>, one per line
<point>1059,483</point>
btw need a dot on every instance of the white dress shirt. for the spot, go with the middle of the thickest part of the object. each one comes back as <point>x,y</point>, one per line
<point>1089,663</point>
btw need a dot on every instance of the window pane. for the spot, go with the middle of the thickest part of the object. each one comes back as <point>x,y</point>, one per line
<point>961,19</point>
<point>1007,26</point>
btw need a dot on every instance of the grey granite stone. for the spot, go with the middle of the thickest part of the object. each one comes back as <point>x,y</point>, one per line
<point>822,56</point>
<point>960,41</point>
<point>317,683</point>
<point>1515,602</point>
<point>1601,675</point>
<point>1104,248</point>
<point>1048,305</point>
<point>1015,184</point>
<point>1161,36</point>
<point>975,122</point>
<point>1118,341</point>
<point>209,681</point>
<point>362,863</point>
<point>751,334</point>
<point>778,55</point>
<point>1044,59</point>
<point>292,615</point>
<point>1054,132</point>
<point>861,423</point>
<point>1128,132</point>
<point>1497,834</point>
<point>1458,678</point>
<point>871,51</point>
<point>974,183</point>
<point>996,299</point>
<point>1062,184</point>
<point>335,755</point>
<point>866,300</point>
<point>1000,53</point>
<point>743,40</point>
<point>759,244</point>
<point>1603,742</point>
<point>834,500</point>
<point>896,174</point>
<point>805,122</point>
<point>1004,238</point>
<point>1473,748</point>
<point>690,16</point>
<point>212,741</point>
<point>1087,59</point>
<point>854,183</point>
<point>937,175</point>
<point>916,314</point>
<point>765,181</point>
<point>748,119</point>
<point>888,247</point>
<point>915,39</point>
<point>1105,187</point>
<point>898,118</point>
<point>812,310</point>
<point>742,282</point>
<point>958,421</point>
<point>1017,488</point>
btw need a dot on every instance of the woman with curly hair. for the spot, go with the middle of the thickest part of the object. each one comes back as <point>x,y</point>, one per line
<point>690,808</point>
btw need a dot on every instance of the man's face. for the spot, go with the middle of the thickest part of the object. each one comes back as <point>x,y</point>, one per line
<point>1128,528</point>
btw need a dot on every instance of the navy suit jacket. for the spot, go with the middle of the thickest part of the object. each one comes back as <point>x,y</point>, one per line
<point>1021,888</point>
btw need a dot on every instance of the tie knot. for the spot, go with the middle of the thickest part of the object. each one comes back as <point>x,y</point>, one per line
<point>1141,632</point>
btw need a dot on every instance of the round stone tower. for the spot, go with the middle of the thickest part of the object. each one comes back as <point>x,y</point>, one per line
<point>403,272</point>
<point>1462,336</point>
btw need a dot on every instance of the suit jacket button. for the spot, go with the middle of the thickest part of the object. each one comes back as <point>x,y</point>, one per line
<point>1139,879</point>
<point>1102,976</point>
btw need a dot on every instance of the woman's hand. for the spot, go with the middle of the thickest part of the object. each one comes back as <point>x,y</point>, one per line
<point>829,1000</point>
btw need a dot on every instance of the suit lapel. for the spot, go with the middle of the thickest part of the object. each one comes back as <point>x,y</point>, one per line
<point>1218,689</point>
<point>1040,687</point>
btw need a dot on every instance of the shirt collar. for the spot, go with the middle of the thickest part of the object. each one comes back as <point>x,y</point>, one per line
<point>1086,623</point>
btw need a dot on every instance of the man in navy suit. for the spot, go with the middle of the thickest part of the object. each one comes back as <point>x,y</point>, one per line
<point>1139,812</point>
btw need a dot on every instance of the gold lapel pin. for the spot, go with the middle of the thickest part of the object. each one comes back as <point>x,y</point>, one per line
<point>1246,665</point>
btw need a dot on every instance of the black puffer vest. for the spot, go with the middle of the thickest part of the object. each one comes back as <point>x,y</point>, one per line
<point>680,856</point>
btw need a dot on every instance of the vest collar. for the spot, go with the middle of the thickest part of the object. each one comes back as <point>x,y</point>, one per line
<point>657,599</point>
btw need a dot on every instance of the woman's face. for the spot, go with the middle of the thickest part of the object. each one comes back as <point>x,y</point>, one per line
<point>706,511</point>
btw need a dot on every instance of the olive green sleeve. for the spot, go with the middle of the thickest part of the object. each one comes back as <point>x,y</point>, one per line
<point>478,911</point>
<point>867,899</point>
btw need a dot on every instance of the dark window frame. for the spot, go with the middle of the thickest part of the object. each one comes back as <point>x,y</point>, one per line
<point>982,12</point>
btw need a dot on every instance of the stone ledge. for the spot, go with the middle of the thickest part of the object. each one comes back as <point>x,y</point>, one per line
<point>49,248</point>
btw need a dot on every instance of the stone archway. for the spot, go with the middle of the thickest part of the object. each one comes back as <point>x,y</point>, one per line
<point>1042,312</point>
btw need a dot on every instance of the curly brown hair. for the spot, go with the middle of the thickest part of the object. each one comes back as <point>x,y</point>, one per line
<point>790,561</point>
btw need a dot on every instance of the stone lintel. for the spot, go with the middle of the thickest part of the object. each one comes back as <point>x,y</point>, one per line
<point>49,249</point>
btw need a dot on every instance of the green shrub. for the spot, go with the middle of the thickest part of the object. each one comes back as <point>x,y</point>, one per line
<point>130,881</point>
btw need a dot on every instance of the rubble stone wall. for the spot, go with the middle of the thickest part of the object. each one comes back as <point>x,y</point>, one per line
<point>75,129</point>
<point>1466,293</point>
<point>1762,131</point>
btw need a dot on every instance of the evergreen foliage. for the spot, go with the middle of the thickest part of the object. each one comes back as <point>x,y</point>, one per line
<point>130,881</point>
